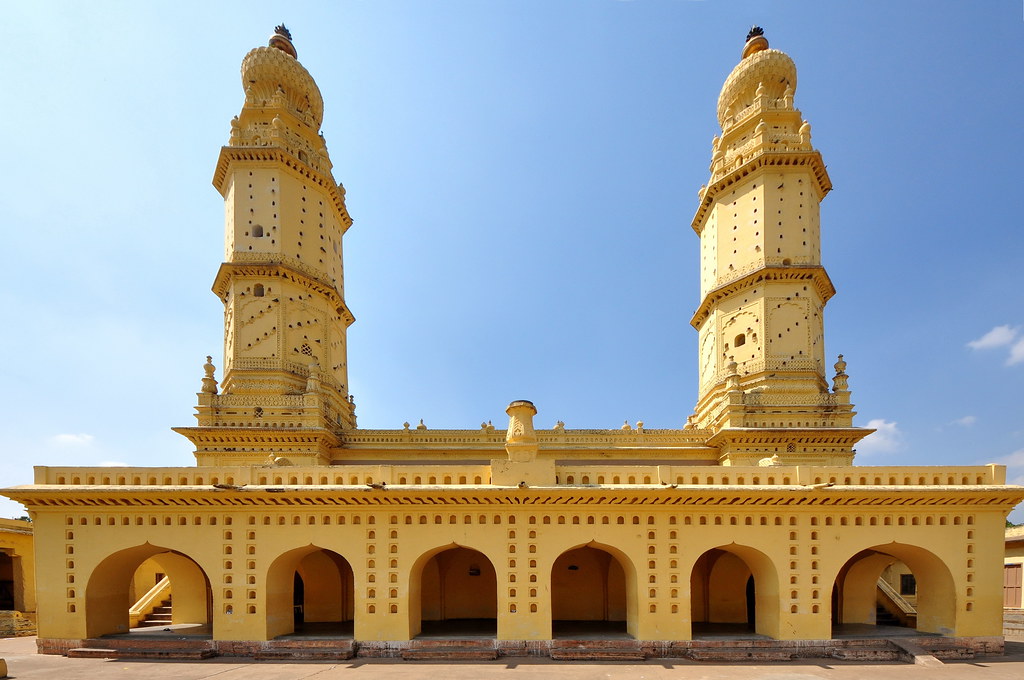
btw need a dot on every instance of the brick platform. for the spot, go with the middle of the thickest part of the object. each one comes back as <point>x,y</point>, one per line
<point>597,650</point>
<point>729,651</point>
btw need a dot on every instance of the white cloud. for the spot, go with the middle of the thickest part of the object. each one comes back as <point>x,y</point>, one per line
<point>886,438</point>
<point>111,463</point>
<point>1016,353</point>
<point>1014,460</point>
<point>966,421</point>
<point>997,337</point>
<point>81,439</point>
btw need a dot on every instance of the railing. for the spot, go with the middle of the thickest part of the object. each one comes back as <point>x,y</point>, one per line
<point>138,611</point>
<point>896,605</point>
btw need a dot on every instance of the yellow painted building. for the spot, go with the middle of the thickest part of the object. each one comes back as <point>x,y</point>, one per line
<point>17,579</point>
<point>750,520</point>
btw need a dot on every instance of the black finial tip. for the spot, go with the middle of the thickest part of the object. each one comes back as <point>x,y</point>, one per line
<point>283,31</point>
<point>754,32</point>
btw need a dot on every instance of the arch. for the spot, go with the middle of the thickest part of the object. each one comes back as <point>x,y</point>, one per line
<point>454,589</point>
<point>310,590</point>
<point>857,594</point>
<point>593,588</point>
<point>734,588</point>
<point>108,594</point>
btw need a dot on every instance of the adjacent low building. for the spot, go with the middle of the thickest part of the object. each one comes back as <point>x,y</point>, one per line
<point>752,520</point>
<point>17,579</point>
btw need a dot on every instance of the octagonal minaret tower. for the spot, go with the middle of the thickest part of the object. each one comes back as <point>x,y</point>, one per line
<point>763,287</point>
<point>285,318</point>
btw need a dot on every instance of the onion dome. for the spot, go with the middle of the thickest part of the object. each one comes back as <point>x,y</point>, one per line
<point>760,66</point>
<point>272,76</point>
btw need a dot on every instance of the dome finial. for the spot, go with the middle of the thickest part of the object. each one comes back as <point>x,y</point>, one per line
<point>755,41</point>
<point>282,40</point>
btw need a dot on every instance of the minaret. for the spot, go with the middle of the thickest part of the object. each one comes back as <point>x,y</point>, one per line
<point>285,318</point>
<point>763,287</point>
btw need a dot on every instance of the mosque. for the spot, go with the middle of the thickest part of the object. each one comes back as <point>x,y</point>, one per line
<point>298,534</point>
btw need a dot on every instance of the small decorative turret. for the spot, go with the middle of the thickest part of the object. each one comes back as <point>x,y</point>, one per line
<point>313,381</point>
<point>520,438</point>
<point>209,382</point>
<point>840,383</point>
<point>732,373</point>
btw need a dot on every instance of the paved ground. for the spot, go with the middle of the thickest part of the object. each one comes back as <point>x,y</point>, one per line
<point>23,663</point>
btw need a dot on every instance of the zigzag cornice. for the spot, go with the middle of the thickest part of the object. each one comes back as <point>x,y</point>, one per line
<point>833,436</point>
<point>760,161</point>
<point>722,498</point>
<point>280,158</point>
<point>261,436</point>
<point>281,266</point>
<point>769,273</point>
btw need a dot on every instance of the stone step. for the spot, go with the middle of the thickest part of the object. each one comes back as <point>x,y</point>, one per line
<point>463,643</point>
<point>309,642</point>
<point>91,653</point>
<point>612,643</point>
<point>874,651</point>
<point>914,653</point>
<point>944,648</point>
<point>142,653</point>
<point>139,653</point>
<point>739,654</point>
<point>598,654</point>
<point>304,654</point>
<point>450,653</point>
<point>143,641</point>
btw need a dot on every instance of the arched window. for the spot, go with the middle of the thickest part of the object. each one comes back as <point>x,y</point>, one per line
<point>257,230</point>
<point>257,290</point>
<point>740,340</point>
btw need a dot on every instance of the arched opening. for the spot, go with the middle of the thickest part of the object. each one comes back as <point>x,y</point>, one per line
<point>734,591</point>
<point>310,592</point>
<point>454,593</point>
<point>125,588</point>
<point>592,592</point>
<point>8,583</point>
<point>894,587</point>
<point>257,290</point>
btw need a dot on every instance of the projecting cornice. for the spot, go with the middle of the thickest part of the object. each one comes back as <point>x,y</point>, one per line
<point>763,161</point>
<point>767,274</point>
<point>722,498</point>
<point>279,158</point>
<point>266,265</point>
<point>758,436</point>
<point>258,436</point>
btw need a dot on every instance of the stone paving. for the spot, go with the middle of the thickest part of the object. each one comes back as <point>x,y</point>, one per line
<point>23,663</point>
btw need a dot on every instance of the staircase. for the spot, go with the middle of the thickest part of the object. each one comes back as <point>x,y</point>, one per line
<point>883,617</point>
<point>159,616</point>
<point>897,611</point>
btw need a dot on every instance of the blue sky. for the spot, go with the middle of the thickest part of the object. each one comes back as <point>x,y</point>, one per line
<point>522,177</point>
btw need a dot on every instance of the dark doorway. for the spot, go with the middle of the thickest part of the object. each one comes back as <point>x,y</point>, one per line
<point>298,600</point>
